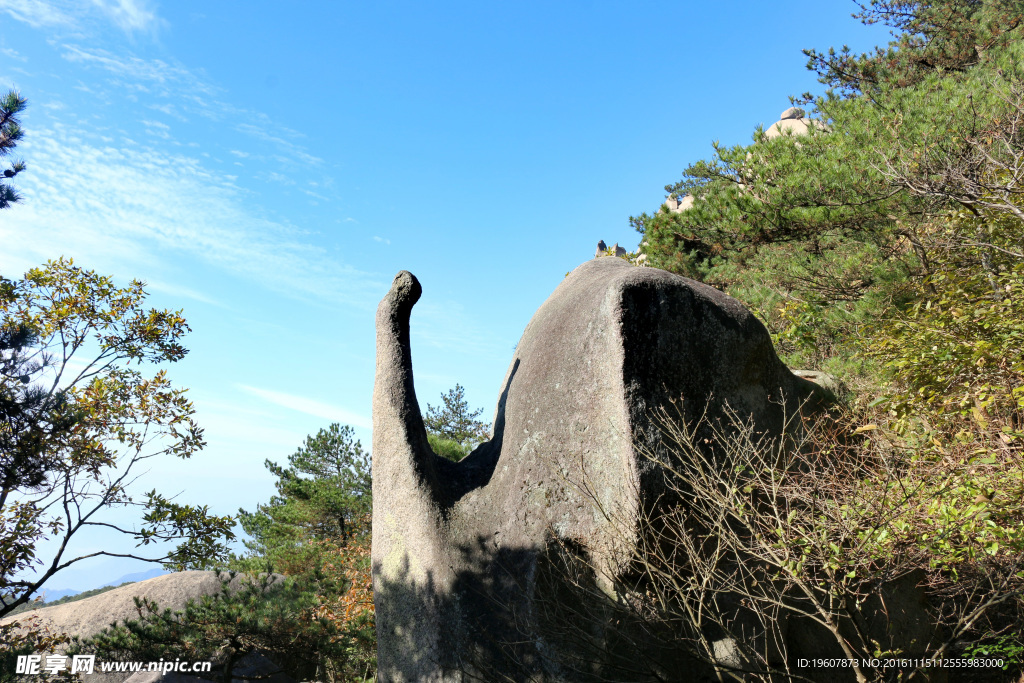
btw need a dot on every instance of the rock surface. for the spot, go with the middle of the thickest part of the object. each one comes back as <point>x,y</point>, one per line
<point>462,552</point>
<point>89,616</point>
<point>252,665</point>
<point>794,120</point>
<point>829,383</point>
<point>792,113</point>
<point>679,205</point>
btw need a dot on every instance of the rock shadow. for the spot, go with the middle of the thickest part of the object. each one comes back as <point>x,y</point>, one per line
<point>521,615</point>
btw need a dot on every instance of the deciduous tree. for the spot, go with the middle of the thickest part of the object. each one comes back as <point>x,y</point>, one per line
<point>77,416</point>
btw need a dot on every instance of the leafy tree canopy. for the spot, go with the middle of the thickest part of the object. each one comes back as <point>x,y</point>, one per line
<point>77,415</point>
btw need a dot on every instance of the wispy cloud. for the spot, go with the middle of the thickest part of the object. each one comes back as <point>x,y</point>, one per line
<point>12,54</point>
<point>157,128</point>
<point>169,110</point>
<point>315,195</point>
<point>192,94</point>
<point>293,151</point>
<point>378,239</point>
<point>133,204</point>
<point>155,72</point>
<point>38,13</point>
<point>132,209</point>
<point>309,406</point>
<point>130,16</point>
<point>179,291</point>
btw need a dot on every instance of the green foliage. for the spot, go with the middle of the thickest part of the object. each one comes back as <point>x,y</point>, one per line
<point>447,448</point>
<point>11,105</point>
<point>950,36</point>
<point>35,421</point>
<point>954,355</point>
<point>77,414</point>
<point>26,638</point>
<point>277,616</point>
<point>790,224</point>
<point>453,420</point>
<point>957,504</point>
<point>324,494</point>
<point>888,243</point>
<point>318,623</point>
<point>837,227</point>
<point>1009,648</point>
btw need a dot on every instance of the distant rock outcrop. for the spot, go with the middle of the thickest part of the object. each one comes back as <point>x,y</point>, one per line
<point>793,120</point>
<point>602,250</point>
<point>87,617</point>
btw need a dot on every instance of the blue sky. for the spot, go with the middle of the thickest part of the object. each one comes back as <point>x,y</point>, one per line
<point>268,167</point>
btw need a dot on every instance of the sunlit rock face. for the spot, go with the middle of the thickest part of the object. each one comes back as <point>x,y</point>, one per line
<point>472,560</point>
<point>85,618</point>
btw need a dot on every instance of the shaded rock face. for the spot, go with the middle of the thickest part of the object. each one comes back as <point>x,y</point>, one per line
<point>464,553</point>
<point>251,666</point>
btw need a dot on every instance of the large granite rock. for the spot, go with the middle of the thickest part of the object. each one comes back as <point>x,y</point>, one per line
<point>679,205</point>
<point>87,617</point>
<point>793,120</point>
<point>463,553</point>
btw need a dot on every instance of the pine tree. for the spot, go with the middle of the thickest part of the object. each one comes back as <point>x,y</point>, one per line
<point>324,494</point>
<point>282,618</point>
<point>35,423</point>
<point>821,234</point>
<point>11,105</point>
<point>316,530</point>
<point>454,420</point>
